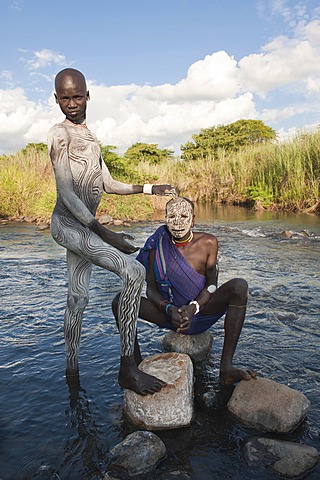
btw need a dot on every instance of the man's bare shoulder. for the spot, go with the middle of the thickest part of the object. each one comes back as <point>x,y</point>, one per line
<point>205,237</point>
<point>56,129</point>
<point>205,240</point>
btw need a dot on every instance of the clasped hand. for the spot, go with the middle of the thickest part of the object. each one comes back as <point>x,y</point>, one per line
<point>181,317</point>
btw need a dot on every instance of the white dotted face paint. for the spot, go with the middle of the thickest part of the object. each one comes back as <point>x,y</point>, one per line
<point>179,217</point>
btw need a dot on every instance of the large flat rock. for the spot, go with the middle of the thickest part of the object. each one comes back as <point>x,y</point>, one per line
<point>172,406</point>
<point>269,406</point>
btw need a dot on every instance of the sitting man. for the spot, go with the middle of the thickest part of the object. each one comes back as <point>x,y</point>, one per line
<point>182,292</point>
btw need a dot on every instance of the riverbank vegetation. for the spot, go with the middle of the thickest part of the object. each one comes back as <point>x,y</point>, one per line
<point>249,167</point>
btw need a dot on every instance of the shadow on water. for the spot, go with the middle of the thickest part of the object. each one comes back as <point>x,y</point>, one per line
<point>56,427</point>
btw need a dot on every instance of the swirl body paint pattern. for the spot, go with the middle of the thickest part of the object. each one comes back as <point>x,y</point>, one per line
<point>75,155</point>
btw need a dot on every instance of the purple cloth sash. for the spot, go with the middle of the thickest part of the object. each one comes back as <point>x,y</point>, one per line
<point>185,282</point>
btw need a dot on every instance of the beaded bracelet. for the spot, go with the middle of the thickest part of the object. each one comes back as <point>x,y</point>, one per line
<point>167,307</point>
<point>163,301</point>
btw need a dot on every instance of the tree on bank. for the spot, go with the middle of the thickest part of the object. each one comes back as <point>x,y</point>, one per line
<point>227,137</point>
<point>119,167</point>
<point>147,152</point>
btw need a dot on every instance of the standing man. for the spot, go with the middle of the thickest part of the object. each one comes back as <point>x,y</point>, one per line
<point>81,176</point>
<point>182,291</point>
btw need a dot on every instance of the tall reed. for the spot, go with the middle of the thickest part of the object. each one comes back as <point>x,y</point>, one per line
<point>26,184</point>
<point>279,175</point>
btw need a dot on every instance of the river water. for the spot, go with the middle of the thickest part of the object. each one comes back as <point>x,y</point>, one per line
<point>48,431</point>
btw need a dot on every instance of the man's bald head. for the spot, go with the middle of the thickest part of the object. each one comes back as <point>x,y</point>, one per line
<point>70,75</point>
<point>71,94</point>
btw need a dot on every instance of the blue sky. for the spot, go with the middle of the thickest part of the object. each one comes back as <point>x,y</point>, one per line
<point>159,71</point>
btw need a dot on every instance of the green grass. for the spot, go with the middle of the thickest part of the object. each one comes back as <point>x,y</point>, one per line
<point>278,176</point>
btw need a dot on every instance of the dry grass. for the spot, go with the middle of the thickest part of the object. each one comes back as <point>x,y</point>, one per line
<point>284,176</point>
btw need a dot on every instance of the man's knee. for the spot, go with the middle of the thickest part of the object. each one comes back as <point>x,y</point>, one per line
<point>240,287</point>
<point>115,303</point>
<point>77,302</point>
<point>136,271</point>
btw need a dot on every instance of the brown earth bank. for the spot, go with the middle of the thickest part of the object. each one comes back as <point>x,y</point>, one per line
<point>106,219</point>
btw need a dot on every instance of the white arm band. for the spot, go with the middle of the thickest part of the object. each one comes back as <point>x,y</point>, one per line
<point>147,188</point>
<point>194,302</point>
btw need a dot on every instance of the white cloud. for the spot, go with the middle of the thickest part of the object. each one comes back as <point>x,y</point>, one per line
<point>17,5</point>
<point>19,117</point>
<point>310,32</point>
<point>283,62</point>
<point>210,94</point>
<point>286,60</point>
<point>7,77</point>
<point>273,115</point>
<point>216,77</point>
<point>291,133</point>
<point>216,90</point>
<point>44,58</point>
<point>6,74</point>
<point>292,14</point>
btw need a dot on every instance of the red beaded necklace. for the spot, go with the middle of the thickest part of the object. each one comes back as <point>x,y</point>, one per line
<point>178,243</point>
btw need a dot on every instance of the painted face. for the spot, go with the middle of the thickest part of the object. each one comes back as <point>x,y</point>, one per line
<point>72,98</point>
<point>179,217</point>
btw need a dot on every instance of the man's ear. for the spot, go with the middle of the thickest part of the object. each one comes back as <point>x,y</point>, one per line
<point>88,95</point>
<point>55,96</point>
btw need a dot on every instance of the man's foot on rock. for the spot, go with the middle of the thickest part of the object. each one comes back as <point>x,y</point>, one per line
<point>234,375</point>
<point>132,378</point>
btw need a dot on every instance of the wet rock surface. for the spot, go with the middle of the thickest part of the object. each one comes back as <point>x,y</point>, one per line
<point>288,459</point>
<point>172,406</point>
<point>138,454</point>
<point>268,406</point>
<point>196,346</point>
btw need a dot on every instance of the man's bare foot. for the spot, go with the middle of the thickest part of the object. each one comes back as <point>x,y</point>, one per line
<point>132,378</point>
<point>231,375</point>
<point>137,352</point>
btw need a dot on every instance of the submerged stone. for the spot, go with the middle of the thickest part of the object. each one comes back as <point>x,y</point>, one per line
<point>266,405</point>
<point>137,454</point>
<point>288,459</point>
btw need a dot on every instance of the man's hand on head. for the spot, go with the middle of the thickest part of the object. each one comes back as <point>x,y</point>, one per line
<point>167,190</point>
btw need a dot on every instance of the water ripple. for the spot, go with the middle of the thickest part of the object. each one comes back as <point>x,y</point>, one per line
<point>50,430</point>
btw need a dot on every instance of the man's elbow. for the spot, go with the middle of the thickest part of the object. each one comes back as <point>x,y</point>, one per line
<point>149,293</point>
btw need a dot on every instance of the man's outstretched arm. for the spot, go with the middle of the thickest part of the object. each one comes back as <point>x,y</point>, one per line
<point>114,186</point>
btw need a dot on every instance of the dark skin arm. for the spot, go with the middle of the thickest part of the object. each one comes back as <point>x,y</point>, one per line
<point>114,186</point>
<point>203,257</point>
<point>117,240</point>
